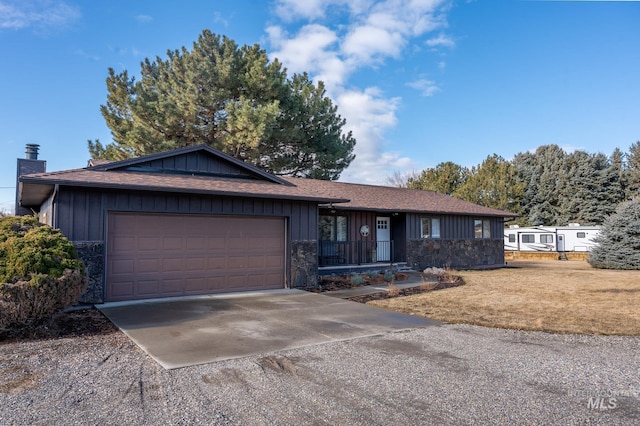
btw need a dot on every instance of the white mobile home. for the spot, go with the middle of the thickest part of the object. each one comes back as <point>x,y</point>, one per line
<point>551,238</point>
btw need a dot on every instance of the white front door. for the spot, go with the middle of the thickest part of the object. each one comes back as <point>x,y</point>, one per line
<point>383,238</point>
<point>560,242</point>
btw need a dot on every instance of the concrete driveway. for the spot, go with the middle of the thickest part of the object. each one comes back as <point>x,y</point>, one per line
<point>180,332</point>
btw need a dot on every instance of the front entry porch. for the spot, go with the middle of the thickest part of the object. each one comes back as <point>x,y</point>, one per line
<point>342,253</point>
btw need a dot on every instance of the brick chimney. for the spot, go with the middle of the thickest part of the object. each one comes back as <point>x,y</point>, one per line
<point>27,166</point>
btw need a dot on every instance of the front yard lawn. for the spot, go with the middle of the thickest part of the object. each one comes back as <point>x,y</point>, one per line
<point>553,296</point>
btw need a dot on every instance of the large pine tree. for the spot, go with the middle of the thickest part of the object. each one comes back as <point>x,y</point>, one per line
<point>233,99</point>
<point>619,240</point>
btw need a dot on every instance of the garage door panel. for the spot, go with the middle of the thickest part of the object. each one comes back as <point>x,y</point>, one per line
<point>166,255</point>
<point>124,243</point>
<point>217,262</point>
<point>272,261</point>
<point>148,243</point>
<point>147,287</point>
<point>173,265</point>
<point>196,243</point>
<point>196,264</point>
<point>196,285</point>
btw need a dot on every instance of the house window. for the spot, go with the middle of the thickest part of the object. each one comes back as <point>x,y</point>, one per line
<point>512,238</point>
<point>333,228</point>
<point>528,238</point>
<point>546,238</point>
<point>429,227</point>
<point>581,235</point>
<point>482,228</point>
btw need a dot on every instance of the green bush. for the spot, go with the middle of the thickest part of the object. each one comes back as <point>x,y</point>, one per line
<point>357,279</point>
<point>39,271</point>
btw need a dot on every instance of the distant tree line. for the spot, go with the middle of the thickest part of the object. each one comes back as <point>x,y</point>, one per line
<point>545,187</point>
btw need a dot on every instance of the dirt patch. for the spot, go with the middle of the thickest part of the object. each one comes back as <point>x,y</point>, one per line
<point>85,322</point>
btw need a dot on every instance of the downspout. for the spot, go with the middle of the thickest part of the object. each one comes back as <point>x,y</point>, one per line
<point>54,206</point>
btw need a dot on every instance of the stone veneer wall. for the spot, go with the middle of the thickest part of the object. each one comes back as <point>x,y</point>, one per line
<point>92,254</point>
<point>459,254</point>
<point>304,264</point>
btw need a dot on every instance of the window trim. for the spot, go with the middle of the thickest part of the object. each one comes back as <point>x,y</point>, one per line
<point>484,228</point>
<point>545,237</point>
<point>533,238</point>
<point>336,228</point>
<point>433,224</point>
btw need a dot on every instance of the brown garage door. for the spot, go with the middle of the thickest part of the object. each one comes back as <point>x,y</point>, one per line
<point>151,255</point>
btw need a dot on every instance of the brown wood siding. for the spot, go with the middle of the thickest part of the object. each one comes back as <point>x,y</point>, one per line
<point>163,255</point>
<point>81,213</point>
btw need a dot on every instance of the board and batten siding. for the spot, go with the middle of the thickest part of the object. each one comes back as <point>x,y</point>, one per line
<point>195,162</point>
<point>80,213</point>
<point>454,227</point>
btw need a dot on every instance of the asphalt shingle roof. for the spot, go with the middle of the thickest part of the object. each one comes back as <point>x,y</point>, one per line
<point>391,199</point>
<point>344,195</point>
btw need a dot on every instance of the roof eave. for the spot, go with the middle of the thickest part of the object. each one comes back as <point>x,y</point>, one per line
<point>43,182</point>
<point>418,211</point>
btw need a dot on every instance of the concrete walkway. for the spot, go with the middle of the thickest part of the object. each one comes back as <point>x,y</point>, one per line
<point>180,332</point>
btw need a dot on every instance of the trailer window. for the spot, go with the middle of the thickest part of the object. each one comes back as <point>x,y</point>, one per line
<point>512,238</point>
<point>528,238</point>
<point>546,238</point>
<point>581,235</point>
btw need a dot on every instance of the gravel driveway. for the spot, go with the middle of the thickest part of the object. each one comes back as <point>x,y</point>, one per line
<point>454,374</point>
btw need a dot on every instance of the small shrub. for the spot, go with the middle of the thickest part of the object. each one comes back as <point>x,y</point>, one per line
<point>449,277</point>
<point>357,280</point>
<point>39,271</point>
<point>427,285</point>
<point>392,290</point>
<point>389,275</point>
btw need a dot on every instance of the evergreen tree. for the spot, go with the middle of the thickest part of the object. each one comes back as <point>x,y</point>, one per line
<point>619,239</point>
<point>633,170</point>
<point>232,99</point>
<point>493,184</point>
<point>542,173</point>
<point>445,178</point>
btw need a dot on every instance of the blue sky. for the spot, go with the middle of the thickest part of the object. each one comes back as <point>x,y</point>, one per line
<point>419,81</point>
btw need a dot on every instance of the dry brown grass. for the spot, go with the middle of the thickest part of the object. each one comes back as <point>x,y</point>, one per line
<point>553,296</point>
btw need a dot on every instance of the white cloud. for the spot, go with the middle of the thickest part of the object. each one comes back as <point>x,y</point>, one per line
<point>143,19</point>
<point>289,10</point>
<point>365,43</point>
<point>426,87</point>
<point>83,54</point>
<point>441,41</point>
<point>340,38</point>
<point>37,14</point>
<point>313,10</point>
<point>313,50</point>
<point>369,115</point>
<point>218,18</point>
